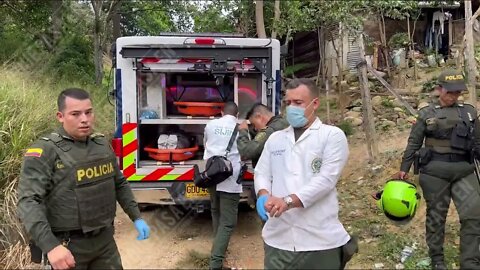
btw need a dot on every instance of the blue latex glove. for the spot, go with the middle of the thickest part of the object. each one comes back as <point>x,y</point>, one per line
<point>261,207</point>
<point>142,229</point>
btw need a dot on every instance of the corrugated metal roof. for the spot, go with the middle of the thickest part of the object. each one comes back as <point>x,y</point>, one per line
<point>353,55</point>
<point>435,4</point>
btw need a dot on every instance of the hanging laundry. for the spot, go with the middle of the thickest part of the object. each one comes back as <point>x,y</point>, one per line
<point>441,17</point>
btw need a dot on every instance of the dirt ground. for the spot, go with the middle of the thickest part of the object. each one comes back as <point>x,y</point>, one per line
<point>175,235</point>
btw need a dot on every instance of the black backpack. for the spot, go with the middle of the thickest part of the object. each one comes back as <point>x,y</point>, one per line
<point>217,169</point>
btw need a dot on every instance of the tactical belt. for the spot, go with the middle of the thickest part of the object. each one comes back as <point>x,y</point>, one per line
<point>79,233</point>
<point>450,157</point>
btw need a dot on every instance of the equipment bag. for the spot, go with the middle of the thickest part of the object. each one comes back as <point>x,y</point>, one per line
<point>217,169</point>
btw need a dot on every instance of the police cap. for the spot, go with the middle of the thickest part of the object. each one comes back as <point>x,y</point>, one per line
<point>452,81</point>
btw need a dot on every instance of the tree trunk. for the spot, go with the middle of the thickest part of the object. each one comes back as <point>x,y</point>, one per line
<point>339,62</point>
<point>259,19</point>
<point>368,122</point>
<point>116,33</point>
<point>415,72</point>
<point>276,19</point>
<point>339,58</point>
<point>320,55</point>
<point>383,37</point>
<point>97,45</point>
<point>412,52</point>
<point>470,54</point>
<point>57,20</point>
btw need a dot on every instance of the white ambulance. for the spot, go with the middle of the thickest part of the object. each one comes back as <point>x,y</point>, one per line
<point>167,88</point>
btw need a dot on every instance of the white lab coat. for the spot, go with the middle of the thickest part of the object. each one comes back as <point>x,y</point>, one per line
<point>310,169</point>
<point>216,137</point>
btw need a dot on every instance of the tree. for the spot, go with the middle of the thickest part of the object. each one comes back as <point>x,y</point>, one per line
<point>57,20</point>
<point>102,11</point>
<point>276,18</point>
<point>259,19</point>
<point>212,17</point>
<point>470,52</point>
<point>34,18</point>
<point>146,17</point>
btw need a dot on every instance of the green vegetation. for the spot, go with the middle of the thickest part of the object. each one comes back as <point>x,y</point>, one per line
<point>347,127</point>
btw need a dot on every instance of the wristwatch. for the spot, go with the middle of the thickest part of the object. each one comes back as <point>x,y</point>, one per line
<point>289,201</point>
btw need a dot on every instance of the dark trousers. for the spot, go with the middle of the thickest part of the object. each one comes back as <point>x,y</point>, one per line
<point>224,208</point>
<point>282,259</point>
<point>441,182</point>
<point>96,252</point>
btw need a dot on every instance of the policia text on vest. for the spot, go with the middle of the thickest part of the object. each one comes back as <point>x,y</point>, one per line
<point>93,173</point>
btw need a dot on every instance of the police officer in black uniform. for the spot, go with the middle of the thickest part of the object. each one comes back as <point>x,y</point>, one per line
<point>69,186</point>
<point>449,132</point>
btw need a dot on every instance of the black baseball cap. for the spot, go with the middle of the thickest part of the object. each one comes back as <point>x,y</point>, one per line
<point>452,81</point>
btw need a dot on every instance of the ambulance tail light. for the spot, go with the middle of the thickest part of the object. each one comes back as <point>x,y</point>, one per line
<point>117,149</point>
<point>204,41</point>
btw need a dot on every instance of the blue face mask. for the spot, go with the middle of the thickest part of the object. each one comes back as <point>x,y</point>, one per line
<point>296,116</point>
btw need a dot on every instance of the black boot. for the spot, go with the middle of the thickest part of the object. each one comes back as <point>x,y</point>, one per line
<point>438,265</point>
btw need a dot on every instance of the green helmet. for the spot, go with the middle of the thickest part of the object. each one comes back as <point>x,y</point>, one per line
<point>398,200</point>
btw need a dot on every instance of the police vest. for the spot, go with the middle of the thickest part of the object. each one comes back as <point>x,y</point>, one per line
<point>82,195</point>
<point>450,129</point>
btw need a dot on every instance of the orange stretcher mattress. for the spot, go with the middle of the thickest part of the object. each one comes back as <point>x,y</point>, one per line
<point>199,108</point>
<point>175,154</point>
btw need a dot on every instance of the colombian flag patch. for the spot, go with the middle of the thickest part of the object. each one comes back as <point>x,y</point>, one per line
<point>34,152</point>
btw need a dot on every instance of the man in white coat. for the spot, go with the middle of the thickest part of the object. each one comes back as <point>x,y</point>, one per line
<point>295,181</point>
<point>225,196</point>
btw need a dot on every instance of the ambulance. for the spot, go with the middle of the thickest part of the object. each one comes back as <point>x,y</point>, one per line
<point>167,88</point>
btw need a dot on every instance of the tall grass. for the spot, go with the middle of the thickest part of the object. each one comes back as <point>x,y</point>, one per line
<point>27,111</point>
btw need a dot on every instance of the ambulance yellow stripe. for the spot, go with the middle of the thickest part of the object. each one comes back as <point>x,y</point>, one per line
<point>136,177</point>
<point>170,177</point>
<point>128,137</point>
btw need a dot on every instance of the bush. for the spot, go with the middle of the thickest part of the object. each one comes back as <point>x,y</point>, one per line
<point>12,40</point>
<point>387,103</point>
<point>399,40</point>
<point>74,59</point>
<point>347,127</point>
<point>429,85</point>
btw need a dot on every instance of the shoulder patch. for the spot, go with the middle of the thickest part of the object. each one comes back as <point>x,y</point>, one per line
<point>98,138</point>
<point>34,152</point>
<point>96,135</point>
<point>260,136</point>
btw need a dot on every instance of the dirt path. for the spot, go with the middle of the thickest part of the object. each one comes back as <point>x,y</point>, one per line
<point>175,234</point>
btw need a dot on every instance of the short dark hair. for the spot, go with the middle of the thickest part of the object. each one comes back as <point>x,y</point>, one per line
<point>309,83</point>
<point>258,108</point>
<point>76,93</point>
<point>230,108</point>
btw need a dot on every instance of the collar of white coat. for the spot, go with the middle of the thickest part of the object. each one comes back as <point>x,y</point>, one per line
<point>228,116</point>
<point>314,126</point>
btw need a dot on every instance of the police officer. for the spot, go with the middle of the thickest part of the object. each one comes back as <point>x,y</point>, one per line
<point>69,185</point>
<point>449,132</point>
<point>265,123</point>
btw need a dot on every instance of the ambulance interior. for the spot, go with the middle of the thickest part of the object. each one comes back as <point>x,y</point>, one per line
<point>174,108</point>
